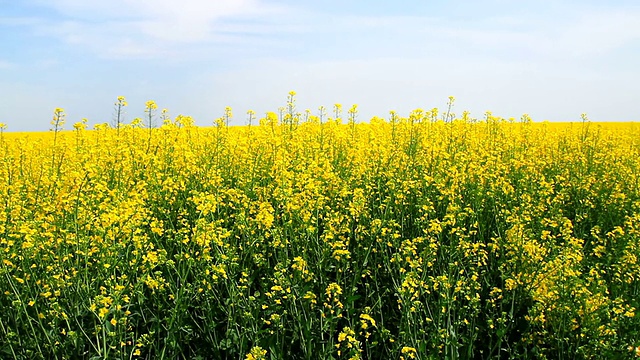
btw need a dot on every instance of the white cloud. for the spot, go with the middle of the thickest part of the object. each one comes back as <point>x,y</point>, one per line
<point>195,10</point>
<point>153,28</point>
<point>165,28</point>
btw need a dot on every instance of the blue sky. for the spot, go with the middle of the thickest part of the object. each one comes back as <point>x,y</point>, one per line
<point>552,59</point>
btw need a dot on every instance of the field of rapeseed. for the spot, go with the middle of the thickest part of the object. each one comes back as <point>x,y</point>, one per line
<point>316,237</point>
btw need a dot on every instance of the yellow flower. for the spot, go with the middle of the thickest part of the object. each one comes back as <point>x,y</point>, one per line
<point>256,353</point>
<point>364,318</point>
<point>333,290</point>
<point>342,336</point>
<point>103,312</point>
<point>409,351</point>
<point>150,105</point>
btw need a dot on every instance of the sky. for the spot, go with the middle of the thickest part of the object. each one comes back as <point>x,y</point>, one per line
<point>551,59</point>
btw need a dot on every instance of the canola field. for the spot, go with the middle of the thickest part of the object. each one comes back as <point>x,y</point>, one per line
<point>318,237</point>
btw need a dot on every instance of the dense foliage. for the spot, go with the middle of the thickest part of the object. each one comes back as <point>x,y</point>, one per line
<point>305,237</point>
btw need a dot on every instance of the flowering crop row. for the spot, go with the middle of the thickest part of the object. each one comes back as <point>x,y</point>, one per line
<point>303,237</point>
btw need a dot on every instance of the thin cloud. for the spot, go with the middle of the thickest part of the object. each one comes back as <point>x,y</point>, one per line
<point>19,21</point>
<point>600,32</point>
<point>586,33</point>
<point>152,28</point>
<point>196,10</point>
<point>589,32</point>
<point>169,29</point>
<point>5,64</point>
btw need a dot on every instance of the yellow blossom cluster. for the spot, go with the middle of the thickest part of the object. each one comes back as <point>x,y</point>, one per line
<point>304,236</point>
